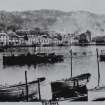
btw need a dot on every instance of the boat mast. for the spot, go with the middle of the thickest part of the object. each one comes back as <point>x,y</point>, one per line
<point>26,86</point>
<point>98,68</point>
<point>71,55</point>
<point>71,62</point>
<point>39,89</point>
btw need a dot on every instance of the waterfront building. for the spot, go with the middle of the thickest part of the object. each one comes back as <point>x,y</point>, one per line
<point>44,40</point>
<point>4,39</point>
<point>32,39</point>
<point>15,39</point>
<point>66,39</point>
<point>98,39</point>
<point>84,37</point>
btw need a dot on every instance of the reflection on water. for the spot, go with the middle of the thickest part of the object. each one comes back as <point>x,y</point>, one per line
<point>82,63</point>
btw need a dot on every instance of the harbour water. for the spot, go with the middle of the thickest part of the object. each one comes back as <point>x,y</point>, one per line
<point>82,63</point>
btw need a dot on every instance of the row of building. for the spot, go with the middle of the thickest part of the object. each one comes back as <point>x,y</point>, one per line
<point>27,37</point>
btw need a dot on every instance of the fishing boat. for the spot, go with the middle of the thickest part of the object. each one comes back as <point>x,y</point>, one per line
<point>18,92</point>
<point>73,87</point>
<point>31,59</point>
<point>70,88</point>
<point>102,55</point>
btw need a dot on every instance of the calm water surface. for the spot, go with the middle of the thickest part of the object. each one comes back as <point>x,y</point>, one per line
<point>81,64</point>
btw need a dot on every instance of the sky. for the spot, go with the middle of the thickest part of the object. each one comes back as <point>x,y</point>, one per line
<point>96,6</point>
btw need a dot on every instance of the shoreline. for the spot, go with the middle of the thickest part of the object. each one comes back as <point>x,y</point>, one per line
<point>85,44</point>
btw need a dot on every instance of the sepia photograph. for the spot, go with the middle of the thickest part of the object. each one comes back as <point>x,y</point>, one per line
<point>52,52</point>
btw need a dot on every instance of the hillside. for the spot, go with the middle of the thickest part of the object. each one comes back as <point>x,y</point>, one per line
<point>54,20</point>
<point>81,21</point>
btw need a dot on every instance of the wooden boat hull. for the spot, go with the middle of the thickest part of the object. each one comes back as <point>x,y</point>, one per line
<point>102,57</point>
<point>66,92</point>
<point>18,92</point>
<point>72,87</point>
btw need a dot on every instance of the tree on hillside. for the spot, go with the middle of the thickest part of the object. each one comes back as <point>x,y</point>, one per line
<point>12,27</point>
<point>2,27</point>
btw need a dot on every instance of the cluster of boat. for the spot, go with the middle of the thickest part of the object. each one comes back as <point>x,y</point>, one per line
<point>73,88</point>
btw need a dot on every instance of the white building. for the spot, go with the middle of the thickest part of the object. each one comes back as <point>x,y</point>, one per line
<point>32,39</point>
<point>4,39</point>
<point>46,41</point>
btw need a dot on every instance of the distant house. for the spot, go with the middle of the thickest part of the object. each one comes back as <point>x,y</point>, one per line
<point>15,39</point>
<point>4,39</point>
<point>98,39</point>
<point>84,37</point>
<point>32,37</point>
<point>88,34</point>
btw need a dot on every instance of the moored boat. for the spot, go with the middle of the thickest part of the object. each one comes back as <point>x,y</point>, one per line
<point>17,92</point>
<point>31,59</point>
<point>72,87</point>
<point>102,55</point>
